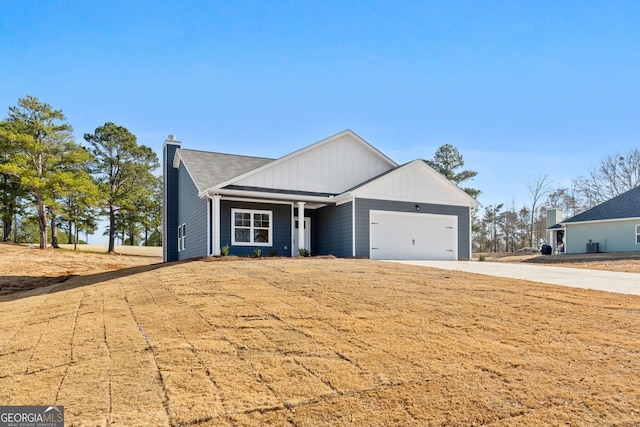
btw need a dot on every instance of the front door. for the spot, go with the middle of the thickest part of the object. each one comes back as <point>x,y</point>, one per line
<point>307,235</point>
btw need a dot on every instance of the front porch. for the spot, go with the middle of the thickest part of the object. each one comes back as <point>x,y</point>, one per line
<point>555,239</point>
<point>273,227</point>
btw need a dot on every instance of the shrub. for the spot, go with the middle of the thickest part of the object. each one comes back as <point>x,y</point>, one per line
<point>273,252</point>
<point>482,257</point>
<point>303,252</point>
<point>257,252</point>
<point>224,251</point>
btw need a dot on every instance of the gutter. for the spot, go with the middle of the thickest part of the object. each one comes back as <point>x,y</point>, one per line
<point>261,195</point>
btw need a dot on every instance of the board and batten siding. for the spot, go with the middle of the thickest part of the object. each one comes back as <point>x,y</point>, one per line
<point>334,230</point>
<point>415,182</point>
<point>612,236</point>
<point>281,227</point>
<point>328,168</point>
<point>362,226</point>
<point>192,212</point>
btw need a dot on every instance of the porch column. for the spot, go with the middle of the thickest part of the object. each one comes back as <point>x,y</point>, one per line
<point>215,222</point>
<point>301,241</point>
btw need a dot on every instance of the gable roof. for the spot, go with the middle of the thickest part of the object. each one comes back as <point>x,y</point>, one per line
<point>405,183</point>
<point>209,169</point>
<point>339,167</point>
<point>626,205</point>
<point>331,166</point>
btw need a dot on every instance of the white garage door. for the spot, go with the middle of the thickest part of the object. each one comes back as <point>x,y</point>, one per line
<point>400,235</point>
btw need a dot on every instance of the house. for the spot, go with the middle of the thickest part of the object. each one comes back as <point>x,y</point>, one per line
<point>339,196</point>
<point>612,226</point>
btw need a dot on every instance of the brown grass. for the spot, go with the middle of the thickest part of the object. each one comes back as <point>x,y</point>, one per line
<point>623,261</point>
<point>24,268</point>
<point>310,342</point>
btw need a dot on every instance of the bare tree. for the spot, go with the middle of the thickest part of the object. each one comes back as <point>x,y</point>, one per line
<point>613,176</point>
<point>538,189</point>
<point>565,200</point>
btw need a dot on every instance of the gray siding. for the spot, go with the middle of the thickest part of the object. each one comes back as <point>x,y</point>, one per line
<point>363,206</point>
<point>614,236</point>
<point>332,231</point>
<point>192,212</point>
<point>169,203</point>
<point>281,227</point>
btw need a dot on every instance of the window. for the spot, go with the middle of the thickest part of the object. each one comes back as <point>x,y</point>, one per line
<point>181,238</point>
<point>637,234</point>
<point>250,228</point>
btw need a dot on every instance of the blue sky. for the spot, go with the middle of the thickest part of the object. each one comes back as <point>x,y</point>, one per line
<point>521,88</point>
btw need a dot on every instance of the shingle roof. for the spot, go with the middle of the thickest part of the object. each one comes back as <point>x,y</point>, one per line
<point>626,205</point>
<point>208,169</point>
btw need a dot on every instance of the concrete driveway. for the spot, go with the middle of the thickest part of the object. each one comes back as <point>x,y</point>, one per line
<point>609,281</point>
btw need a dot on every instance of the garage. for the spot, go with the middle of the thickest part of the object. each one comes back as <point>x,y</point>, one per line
<point>413,236</point>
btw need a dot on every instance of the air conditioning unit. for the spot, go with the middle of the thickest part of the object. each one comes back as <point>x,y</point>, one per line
<point>593,247</point>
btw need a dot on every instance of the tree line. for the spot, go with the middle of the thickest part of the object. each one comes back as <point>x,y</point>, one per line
<point>52,186</point>
<point>49,182</point>
<point>507,228</point>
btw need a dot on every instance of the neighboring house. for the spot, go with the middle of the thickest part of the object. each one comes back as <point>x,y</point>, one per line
<point>613,226</point>
<point>339,196</point>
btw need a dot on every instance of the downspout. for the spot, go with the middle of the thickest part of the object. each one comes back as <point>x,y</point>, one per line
<point>210,227</point>
<point>293,228</point>
<point>470,234</point>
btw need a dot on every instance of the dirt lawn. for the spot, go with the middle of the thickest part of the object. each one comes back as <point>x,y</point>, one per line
<point>307,342</point>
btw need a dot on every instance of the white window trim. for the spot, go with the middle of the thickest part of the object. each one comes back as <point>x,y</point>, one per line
<point>637,233</point>
<point>251,234</point>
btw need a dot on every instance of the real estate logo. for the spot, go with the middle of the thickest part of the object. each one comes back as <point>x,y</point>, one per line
<point>31,416</point>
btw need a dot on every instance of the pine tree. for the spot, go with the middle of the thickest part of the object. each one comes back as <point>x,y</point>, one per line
<point>41,147</point>
<point>10,188</point>
<point>446,161</point>
<point>122,167</point>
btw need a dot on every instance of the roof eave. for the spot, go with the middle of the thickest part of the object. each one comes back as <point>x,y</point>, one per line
<point>210,192</point>
<point>592,221</point>
<point>470,201</point>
